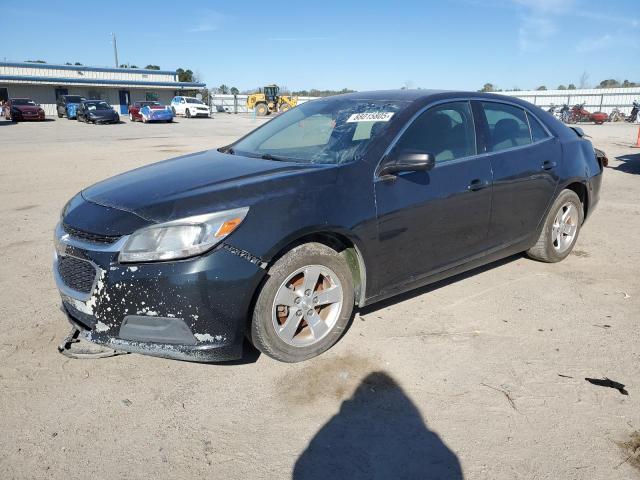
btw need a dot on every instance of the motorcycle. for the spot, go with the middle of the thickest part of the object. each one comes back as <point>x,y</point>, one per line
<point>634,112</point>
<point>580,114</point>
<point>564,113</point>
<point>616,115</point>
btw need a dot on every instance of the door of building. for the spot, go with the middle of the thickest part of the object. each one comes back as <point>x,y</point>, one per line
<point>125,101</point>
<point>60,92</point>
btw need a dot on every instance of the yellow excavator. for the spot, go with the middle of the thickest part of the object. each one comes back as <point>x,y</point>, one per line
<point>267,101</point>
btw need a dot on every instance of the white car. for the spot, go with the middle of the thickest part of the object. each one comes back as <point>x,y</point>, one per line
<point>189,107</point>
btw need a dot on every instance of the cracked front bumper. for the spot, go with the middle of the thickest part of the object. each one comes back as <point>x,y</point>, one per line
<point>194,309</point>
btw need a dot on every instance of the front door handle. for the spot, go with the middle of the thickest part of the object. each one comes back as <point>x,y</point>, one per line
<point>477,184</point>
<point>548,165</point>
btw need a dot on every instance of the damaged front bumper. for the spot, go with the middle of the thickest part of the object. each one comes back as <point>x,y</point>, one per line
<point>194,309</point>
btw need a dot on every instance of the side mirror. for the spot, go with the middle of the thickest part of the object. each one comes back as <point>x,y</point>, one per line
<point>408,161</point>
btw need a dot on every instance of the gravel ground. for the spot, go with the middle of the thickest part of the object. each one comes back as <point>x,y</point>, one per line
<point>478,377</point>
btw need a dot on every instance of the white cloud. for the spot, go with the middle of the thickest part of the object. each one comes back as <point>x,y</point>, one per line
<point>209,21</point>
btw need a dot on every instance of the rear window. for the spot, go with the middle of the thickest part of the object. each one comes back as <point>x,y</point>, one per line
<point>508,126</point>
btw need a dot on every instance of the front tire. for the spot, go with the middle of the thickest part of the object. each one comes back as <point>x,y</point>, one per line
<point>262,109</point>
<point>561,228</point>
<point>187,113</point>
<point>304,306</point>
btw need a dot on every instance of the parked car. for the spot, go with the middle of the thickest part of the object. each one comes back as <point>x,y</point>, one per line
<point>97,111</point>
<point>150,111</point>
<point>340,202</point>
<point>189,107</point>
<point>20,109</point>
<point>66,105</point>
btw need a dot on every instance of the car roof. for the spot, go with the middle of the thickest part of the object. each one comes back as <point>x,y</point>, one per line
<point>426,95</point>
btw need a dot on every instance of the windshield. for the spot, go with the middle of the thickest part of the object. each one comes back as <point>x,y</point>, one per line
<point>74,99</point>
<point>329,131</point>
<point>193,100</point>
<point>23,101</point>
<point>98,106</point>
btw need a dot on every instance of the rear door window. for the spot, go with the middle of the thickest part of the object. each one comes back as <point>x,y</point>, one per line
<point>538,133</point>
<point>446,131</point>
<point>508,126</point>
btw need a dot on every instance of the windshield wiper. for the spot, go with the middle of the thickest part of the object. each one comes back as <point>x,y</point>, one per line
<point>268,156</point>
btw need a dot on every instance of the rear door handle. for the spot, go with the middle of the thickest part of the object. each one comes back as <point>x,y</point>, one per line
<point>548,165</point>
<point>477,184</point>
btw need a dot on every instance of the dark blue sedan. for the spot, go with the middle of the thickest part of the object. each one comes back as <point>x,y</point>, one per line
<point>338,203</point>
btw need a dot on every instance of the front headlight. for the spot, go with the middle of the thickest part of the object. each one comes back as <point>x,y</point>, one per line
<point>181,238</point>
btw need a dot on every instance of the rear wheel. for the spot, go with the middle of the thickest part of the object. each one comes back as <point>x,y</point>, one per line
<point>262,109</point>
<point>131,117</point>
<point>59,114</point>
<point>187,113</point>
<point>304,306</point>
<point>561,228</point>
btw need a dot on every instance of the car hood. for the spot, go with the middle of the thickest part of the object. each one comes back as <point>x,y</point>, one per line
<point>204,182</point>
<point>27,108</point>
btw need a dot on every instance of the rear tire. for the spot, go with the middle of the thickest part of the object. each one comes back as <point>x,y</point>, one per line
<point>262,109</point>
<point>560,230</point>
<point>293,295</point>
<point>59,114</point>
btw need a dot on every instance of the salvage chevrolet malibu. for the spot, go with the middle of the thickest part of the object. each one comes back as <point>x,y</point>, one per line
<point>340,202</point>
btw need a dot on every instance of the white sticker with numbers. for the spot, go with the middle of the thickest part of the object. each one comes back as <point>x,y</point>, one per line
<point>370,117</point>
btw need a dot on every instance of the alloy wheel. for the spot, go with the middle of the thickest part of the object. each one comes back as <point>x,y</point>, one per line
<point>565,227</point>
<point>307,305</point>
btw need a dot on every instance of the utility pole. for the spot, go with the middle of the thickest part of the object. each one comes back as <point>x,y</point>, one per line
<point>115,48</point>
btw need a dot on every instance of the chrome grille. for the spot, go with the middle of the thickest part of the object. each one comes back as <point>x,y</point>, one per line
<point>76,273</point>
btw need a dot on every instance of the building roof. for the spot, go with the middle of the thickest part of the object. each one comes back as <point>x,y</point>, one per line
<point>83,67</point>
<point>38,80</point>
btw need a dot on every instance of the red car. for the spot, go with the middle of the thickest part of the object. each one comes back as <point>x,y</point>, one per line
<point>20,109</point>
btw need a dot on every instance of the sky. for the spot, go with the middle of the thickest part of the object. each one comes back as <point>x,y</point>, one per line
<point>361,45</point>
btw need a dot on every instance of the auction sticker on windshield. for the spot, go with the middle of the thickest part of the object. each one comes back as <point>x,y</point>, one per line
<point>370,117</point>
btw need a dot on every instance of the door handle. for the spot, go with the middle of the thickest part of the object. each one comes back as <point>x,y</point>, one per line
<point>548,165</point>
<point>477,184</point>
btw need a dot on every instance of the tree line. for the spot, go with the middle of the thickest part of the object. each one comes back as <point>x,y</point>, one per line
<point>609,83</point>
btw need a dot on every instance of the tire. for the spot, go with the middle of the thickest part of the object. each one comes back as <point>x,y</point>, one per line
<point>262,109</point>
<point>307,261</point>
<point>549,248</point>
<point>174,111</point>
<point>187,113</point>
<point>285,107</point>
<point>59,114</point>
<point>131,118</point>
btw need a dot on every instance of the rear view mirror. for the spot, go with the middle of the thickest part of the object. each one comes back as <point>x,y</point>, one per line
<point>408,161</point>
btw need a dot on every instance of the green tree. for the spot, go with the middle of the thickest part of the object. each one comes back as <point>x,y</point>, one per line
<point>35,61</point>
<point>488,87</point>
<point>223,89</point>
<point>184,75</point>
<point>234,91</point>
<point>541,88</point>
<point>78,63</point>
<point>571,87</point>
<point>609,83</point>
<point>152,67</point>
<point>561,87</point>
<point>128,65</point>
<point>628,84</point>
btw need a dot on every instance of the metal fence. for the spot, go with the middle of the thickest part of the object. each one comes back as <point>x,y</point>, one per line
<point>238,103</point>
<point>596,99</point>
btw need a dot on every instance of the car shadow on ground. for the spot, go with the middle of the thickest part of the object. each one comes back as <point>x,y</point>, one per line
<point>629,164</point>
<point>436,285</point>
<point>377,434</point>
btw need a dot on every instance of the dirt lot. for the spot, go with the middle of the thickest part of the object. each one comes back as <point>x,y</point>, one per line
<point>480,377</point>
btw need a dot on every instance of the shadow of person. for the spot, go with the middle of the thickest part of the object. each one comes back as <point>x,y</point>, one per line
<point>377,434</point>
<point>630,164</point>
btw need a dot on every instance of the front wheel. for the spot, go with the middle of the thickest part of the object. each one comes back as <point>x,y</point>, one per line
<point>131,118</point>
<point>187,113</point>
<point>561,228</point>
<point>285,107</point>
<point>304,306</point>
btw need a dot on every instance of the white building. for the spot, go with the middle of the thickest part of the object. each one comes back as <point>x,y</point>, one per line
<point>44,83</point>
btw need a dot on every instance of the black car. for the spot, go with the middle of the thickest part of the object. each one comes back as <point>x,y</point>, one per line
<point>67,105</point>
<point>339,202</point>
<point>97,111</point>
